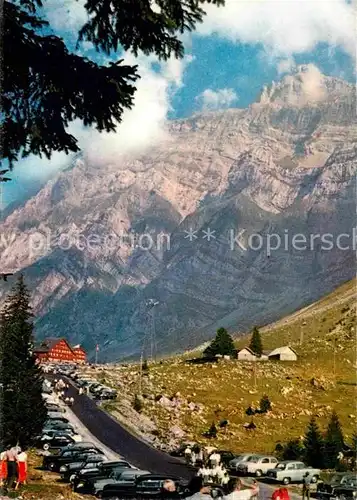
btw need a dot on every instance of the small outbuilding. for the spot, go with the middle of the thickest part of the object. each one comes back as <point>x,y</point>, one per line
<point>285,353</point>
<point>247,354</point>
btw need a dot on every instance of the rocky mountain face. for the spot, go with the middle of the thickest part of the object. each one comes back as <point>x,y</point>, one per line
<point>236,219</point>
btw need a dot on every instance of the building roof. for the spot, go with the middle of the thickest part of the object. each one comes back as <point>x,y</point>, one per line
<point>279,349</point>
<point>49,343</point>
<point>249,350</point>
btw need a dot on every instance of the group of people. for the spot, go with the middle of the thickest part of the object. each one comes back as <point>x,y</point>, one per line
<point>13,467</point>
<point>61,389</point>
<point>210,468</point>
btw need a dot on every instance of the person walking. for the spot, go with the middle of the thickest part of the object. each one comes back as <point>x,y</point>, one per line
<point>306,483</point>
<point>214,459</point>
<point>22,469</point>
<point>3,468</point>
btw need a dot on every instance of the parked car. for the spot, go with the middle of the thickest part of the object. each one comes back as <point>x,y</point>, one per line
<point>226,456</point>
<point>57,417</point>
<point>55,442</point>
<point>83,445</point>
<point>53,407</point>
<point>56,424</point>
<point>120,478</point>
<point>327,489</point>
<point>291,471</point>
<point>347,491</point>
<point>69,470</point>
<point>83,480</point>
<point>258,465</point>
<point>53,462</point>
<point>147,486</point>
<point>240,459</point>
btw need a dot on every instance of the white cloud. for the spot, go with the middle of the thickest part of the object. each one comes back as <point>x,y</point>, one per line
<point>217,99</point>
<point>144,125</point>
<point>284,26</point>
<point>66,15</point>
<point>286,65</point>
<point>141,127</point>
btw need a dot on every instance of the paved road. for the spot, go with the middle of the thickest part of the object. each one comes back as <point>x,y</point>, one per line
<point>140,454</point>
<point>114,436</point>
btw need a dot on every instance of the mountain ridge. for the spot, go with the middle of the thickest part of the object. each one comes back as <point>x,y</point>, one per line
<point>268,168</point>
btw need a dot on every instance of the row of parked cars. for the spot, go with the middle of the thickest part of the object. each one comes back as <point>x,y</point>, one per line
<point>92,387</point>
<point>86,467</point>
<point>340,486</point>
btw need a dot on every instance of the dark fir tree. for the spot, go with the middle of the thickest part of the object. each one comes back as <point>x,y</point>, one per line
<point>292,450</point>
<point>334,442</point>
<point>223,344</point>
<point>256,342</point>
<point>22,407</point>
<point>265,404</point>
<point>45,86</point>
<point>314,445</point>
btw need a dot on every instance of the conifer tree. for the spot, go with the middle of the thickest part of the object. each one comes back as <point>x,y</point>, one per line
<point>45,87</point>
<point>293,450</point>
<point>314,445</point>
<point>256,344</point>
<point>22,406</point>
<point>334,442</point>
<point>223,344</point>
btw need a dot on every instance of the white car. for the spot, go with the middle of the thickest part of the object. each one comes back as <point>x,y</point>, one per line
<point>292,471</point>
<point>257,465</point>
<point>240,459</point>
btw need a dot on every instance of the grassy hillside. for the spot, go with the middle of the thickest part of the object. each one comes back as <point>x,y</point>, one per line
<point>327,354</point>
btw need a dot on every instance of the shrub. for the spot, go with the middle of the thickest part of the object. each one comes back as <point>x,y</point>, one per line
<point>138,403</point>
<point>265,404</point>
<point>249,411</point>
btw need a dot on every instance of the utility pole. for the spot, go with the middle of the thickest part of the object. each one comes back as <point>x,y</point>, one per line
<point>141,373</point>
<point>96,354</point>
<point>151,303</point>
<point>334,358</point>
<point>302,332</point>
<point>255,373</point>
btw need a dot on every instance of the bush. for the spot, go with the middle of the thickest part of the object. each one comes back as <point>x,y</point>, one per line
<point>249,411</point>
<point>212,432</point>
<point>145,366</point>
<point>265,404</point>
<point>138,404</point>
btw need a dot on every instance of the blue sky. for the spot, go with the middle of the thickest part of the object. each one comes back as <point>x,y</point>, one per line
<point>234,53</point>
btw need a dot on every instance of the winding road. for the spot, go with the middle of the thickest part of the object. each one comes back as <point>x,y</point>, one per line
<point>139,453</point>
<point>117,438</point>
